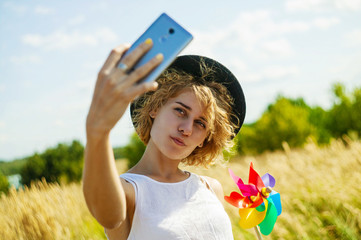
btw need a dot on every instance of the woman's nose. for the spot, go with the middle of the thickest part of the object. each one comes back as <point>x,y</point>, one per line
<point>186,127</point>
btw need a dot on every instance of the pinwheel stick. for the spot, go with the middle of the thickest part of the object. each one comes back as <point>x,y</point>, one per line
<point>258,234</point>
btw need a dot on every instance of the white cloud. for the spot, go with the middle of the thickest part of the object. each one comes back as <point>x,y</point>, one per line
<point>2,88</point>
<point>100,5</point>
<point>325,23</point>
<point>322,5</point>
<point>85,85</point>
<point>237,63</point>
<point>279,48</point>
<point>93,65</point>
<point>4,138</point>
<point>41,10</point>
<point>306,5</point>
<point>352,5</point>
<point>65,40</point>
<point>106,35</point>
<point>2,124</point>
<point>77,20</point>
<point>25,59</point>
<point>59,123</point>
<point>279,72</point>
<point>17,8</point>
<point>347,68</point>
<point>250,77</point>
<point>275,72</point>
<point>257,33</point>
<point>205,42</point>
<point>291,27</point>
<point>353,38</point>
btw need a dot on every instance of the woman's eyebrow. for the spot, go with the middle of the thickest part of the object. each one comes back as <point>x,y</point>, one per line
<point>185,106</point>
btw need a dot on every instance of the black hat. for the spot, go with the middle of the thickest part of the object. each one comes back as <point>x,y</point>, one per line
<point>191,65</point>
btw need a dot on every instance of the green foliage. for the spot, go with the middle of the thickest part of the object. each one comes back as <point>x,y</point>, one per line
<point>284,121</point>
<point>4,184</point>
<point>62,163</point>
<point>33,169</point>
<point>345,114</point>
<point>134,150</point>
<point>293,121</point>
<point>318,118</point>
<point>12,167</point>
<point>118,153</point>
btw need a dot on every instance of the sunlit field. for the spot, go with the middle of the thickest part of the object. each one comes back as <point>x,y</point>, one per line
<point>320,191</point>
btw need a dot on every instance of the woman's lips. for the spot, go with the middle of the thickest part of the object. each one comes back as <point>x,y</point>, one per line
<point>178,141</point>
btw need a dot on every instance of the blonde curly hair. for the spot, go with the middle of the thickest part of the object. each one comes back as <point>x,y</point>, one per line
<point>212,95</point>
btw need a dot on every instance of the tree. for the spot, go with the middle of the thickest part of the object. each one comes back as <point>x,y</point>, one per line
<point>318,119</point>
<point>345,114</point>
<point>33,169</point>
<point>134,150</point>
<point>60,164</point>
<point>285,120</point>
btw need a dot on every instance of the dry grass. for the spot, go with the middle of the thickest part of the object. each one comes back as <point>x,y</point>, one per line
<point>319,188</point>
<point>47,211</point>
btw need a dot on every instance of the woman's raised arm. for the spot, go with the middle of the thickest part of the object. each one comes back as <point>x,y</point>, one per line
<point>114,90</point>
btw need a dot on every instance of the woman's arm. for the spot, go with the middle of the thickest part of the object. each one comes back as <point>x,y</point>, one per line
<point>114,90</point>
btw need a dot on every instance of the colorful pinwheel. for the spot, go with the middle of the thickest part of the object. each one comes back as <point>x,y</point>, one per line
<point>258,204</point>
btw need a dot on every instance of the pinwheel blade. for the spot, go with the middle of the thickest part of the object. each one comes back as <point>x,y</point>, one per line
<point>235,178</point>
<point>276,199</point>
<point>268,180</point>
<point>266,226</point>
<point>255,179</point>
<point>248,190</point>
<point>251,217</point>
<point>234,199</point>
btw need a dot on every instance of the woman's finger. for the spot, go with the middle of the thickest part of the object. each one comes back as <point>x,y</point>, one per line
<point>140,72</point>
<point>139,89</point>
<point>131,59</point>
<point>114,57</point>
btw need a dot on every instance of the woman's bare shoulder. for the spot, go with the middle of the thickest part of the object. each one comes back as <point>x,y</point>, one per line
<point>216,187</point>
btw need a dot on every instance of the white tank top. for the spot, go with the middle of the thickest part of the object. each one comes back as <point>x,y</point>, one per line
<point>185,210</point>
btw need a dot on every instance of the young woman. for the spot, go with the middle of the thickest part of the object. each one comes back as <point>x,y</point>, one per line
<point>190,114</point>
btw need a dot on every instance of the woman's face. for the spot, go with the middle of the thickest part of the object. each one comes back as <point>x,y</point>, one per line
<point>179,126</point>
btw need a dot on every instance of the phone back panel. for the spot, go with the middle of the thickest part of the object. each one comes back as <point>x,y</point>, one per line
<point>169,38</point>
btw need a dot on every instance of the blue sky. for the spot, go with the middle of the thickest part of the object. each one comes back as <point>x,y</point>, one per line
<point>51,51</point>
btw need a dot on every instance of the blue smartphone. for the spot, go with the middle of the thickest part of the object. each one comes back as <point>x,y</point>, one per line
<point>169,38</point>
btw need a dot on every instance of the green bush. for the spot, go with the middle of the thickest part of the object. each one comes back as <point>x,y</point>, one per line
<point>12,167</point>
<point>4,184</point>
<point>63,163</point>
<point>134,150</point>
<point>318,118</point>
<point>284,121</point>
<point>293,121</point>
<point>345,114</point>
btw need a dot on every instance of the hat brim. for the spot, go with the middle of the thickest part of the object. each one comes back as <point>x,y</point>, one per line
<point>191,65</point>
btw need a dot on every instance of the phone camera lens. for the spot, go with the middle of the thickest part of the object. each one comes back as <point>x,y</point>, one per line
<point>171,30</point>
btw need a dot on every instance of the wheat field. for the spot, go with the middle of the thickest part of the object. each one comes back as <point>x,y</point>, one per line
<point>319,187</point>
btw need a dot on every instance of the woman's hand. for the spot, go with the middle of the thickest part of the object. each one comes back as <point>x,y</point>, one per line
<point>115,88</point>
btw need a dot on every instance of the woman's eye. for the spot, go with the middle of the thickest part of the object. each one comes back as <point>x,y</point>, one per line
<point>200,123</point>
<point>180,111</point>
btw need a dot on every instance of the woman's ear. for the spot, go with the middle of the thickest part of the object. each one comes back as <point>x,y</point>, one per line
<point>152,114</point>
